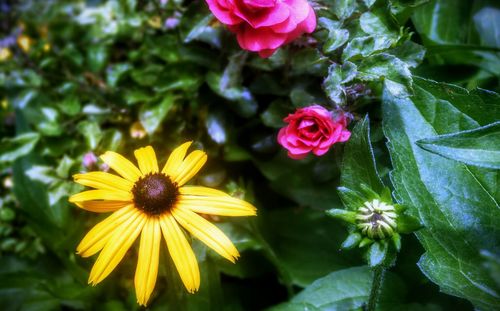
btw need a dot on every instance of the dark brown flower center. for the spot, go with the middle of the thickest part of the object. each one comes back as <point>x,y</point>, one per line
<point>155,193</point>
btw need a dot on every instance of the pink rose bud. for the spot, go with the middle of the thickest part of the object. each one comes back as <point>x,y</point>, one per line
<point>312,129</point>
<point>265,25</point>
<point>89,160</point>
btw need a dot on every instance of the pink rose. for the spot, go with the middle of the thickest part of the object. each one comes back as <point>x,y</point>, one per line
<point>265,25</point>
<point>313,129</point>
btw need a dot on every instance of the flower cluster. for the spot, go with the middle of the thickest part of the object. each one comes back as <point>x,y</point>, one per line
<point>265,25</point>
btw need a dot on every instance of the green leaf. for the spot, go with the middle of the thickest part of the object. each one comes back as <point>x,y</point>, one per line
<point>16,147</point>
<point>70,106</point>
<point>228,85</point>
<point>361,47</point>
<point>151,115</point>
<point>377,23</point>
<point>352,240</point>
<point>337,36</point>
<point>443,21</point>
<point>309,61</point>
<point>342,214</point>
<point>487,22</point>
<point>92,133</point>
<point>306,243</point>
<point>410,53</point>
<point>479,147</point>
<point>203,31</point>
<point>274,114</point>
<point>343,9</point>
<point>393,71</point>
<point>337,76</point>
<point>346,289</point>
<point>407,224</point>
<point>96,57</point>
<point>376,253</point>
<point>457,209</point>
<point>358,165</point>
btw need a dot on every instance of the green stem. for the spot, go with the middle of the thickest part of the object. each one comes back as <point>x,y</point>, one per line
<point>378,279</point>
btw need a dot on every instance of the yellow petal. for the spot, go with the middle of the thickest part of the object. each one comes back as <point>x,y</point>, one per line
<point>113,195</point>
<point>202,191</point>
<point>103,180</point>
<point>147,263</point>
<point>117,246</point>
<point>175,160</point>
<point>121,165</point>
<point>99,235</point>
<point>146,158</point>
<point>181,252</point>
<point>217,205</point>
<point>102,206</point>
<point>206,232</point>
<point>190,166</point>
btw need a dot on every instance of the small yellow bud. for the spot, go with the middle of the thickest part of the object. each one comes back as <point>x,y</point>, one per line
<point>137,130</point>
<point>5,54</point>
<point>155,22</point>
<point>24,43</point>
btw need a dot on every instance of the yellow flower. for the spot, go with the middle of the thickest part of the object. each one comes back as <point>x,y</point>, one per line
<point>151,202</point>
<point>5,54</point>
<point>137,130</point>
<point>24,43</point>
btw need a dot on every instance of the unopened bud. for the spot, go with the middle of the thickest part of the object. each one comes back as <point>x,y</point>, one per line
<point>376,219</point>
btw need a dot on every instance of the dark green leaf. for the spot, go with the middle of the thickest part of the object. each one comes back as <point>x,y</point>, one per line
<point>358,165</point>
<point>479,147</point>
<point>456,209</point>
<point>306,243</point>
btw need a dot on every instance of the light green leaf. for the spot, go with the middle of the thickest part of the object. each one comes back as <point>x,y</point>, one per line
<point>443,21</point>
<point>337,36</point>
<point>480,147</point>
<point>13,148</point>
<point>393,71</point>
<point>452,201</point>
<point>151,115</point>
<point>346,289</point>
<point>337,76</point>
<point>361,47</point>
<point>92,133</point>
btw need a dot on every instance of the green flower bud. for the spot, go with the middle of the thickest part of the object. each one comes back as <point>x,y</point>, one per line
<point>376,219</point>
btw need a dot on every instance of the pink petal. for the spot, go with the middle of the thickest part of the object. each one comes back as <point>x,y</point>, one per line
<point>259,39</point>
<point>257,4</point>
<point>222,13</point>
<point>266,53</point>
<point>266,17</point>
<point>344,136</point>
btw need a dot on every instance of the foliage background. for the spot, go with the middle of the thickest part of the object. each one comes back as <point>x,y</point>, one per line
<point>116,75</point>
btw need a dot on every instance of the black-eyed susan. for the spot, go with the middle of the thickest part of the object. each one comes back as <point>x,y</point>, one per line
<point>153,202</point>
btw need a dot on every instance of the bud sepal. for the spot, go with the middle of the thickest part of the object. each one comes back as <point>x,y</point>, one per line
<point>374,222</point>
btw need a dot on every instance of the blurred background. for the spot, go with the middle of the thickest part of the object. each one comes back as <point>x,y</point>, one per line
<point>78,78</point>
